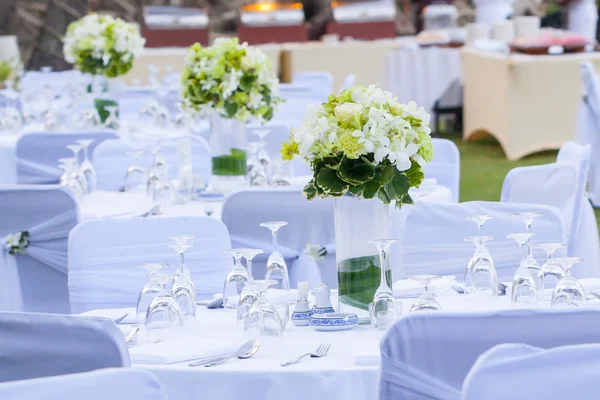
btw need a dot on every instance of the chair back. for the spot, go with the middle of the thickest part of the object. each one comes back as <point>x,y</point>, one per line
<point>38,345</point>
<point>103,270</point>
<point>47,213</point>
<point>445,167</point>
<point>320,81</point>
<point>428,355</point>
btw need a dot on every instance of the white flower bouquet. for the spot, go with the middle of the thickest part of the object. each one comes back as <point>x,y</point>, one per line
<point>234,79</point>
<point>364,143</point>
<point>102,45</point>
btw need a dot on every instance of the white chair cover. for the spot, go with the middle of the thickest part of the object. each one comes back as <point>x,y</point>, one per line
<point>104,254</point>
<point>445,167</point>
<point>431,237</point>
<point>132,100</point>
<point>38,154</point>
<point>36,280</point>
<point>562,185</point>
<point>588,126</point>
<point>38,345</point>
<point>309,223</point>
<point>58,81</point>
<point>111,161</point>
<point>110,383</point>
<point>428,355</point>
<point>320,81</point>
<point>534,373</point>
<point>349,82</point>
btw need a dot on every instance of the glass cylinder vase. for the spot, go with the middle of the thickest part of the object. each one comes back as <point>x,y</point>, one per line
<point>358,221</point>
<point>228,143</point>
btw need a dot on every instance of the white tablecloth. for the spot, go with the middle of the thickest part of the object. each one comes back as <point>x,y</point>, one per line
<point>8,158</point>
<point>334,377</point>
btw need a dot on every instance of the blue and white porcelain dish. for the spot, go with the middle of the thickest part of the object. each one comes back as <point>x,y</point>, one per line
<point>322,310</point>
<point>333,321</point>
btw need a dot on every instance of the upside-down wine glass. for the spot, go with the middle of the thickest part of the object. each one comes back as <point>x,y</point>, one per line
<point>276,266</point>
<point>383,307</point>
<point>248,255</point>
<point>69,178</point>
<point>250,295</point>
<point>532,264</point>
<point>481,275</point>
<point>235,280</point>
<point>552,271</point>
<point>568,291</point>
<point>87,169</point>
<point>149,292</point>
<point>112,121</point>
<point>162,191</point>
<point>163,319</point>
<point>157,163</point>
<point>425,302</point>
<point>184,289</point>
<point>262,318</point>
<point>76,148</point>
<point>136,177</point>
<point>524,289</point>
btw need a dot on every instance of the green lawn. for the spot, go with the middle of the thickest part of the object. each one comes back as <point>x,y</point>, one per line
<point>483,167</point>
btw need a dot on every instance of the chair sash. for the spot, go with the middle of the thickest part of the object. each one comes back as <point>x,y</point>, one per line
<point>41,240</point>
<point>31,172</point>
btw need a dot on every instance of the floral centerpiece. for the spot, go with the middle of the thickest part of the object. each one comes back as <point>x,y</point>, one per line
<point>102,46</point>
<point>362,144</point>
<point>232,83</point>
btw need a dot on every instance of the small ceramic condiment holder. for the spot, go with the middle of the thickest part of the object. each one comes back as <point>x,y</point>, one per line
<point>301,314</point>
<point>334,322</point>
<point>322,300</point>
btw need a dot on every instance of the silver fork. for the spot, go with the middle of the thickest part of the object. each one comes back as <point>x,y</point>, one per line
<point>458,289</point>
<point>321,351</point>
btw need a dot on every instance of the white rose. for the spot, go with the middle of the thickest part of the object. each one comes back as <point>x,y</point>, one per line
<point>249,60</point>
<point>346,111</point>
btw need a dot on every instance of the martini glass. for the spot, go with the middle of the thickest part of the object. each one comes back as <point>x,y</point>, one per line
<point>383,307</point>
<point>425,302</point>
<point>183,290</point>
<point>568,291</point>
<point>149,292</point>
<point>480,275</point>
<point>136,176</point>
<point>235,280</point>
<point>87,169</point>
<point>163,319</point>
<point>524,292</point>
<point>276,266</point>
<point>552,271</point>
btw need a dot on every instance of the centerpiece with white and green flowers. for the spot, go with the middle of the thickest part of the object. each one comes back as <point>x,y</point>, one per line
<point>104,47</point>
<point>367,150</point>
<point>231,83</point>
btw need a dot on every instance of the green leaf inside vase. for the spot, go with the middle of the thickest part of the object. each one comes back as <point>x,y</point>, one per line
<point>232,164</point>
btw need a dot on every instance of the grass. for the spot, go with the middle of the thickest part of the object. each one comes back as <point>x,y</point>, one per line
<point>483,167</point>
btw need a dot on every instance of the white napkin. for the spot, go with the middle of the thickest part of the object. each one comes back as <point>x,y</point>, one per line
<point>101,204</point>
<point>410,288</point>
<point>366,353</point>
<point>114,314</point>
<point>182,349</point>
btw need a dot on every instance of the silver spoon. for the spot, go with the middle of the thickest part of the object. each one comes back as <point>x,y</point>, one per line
<point>247,350</point>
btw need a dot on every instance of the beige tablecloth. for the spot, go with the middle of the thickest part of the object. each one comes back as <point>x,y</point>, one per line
<point>528,103</point>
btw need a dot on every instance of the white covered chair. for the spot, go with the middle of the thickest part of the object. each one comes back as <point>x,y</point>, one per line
<point>562,185</point>
<point>588,126</point>
<point>534,373</point>
<point>132,100</point>
<point>38,154</point>
<point>321,81</point>
<point>428,355</point>
<point>431,237</point>
<point>111,161</point>
<point>308,223</point>
<point>104,254</point>
<point>110,383</point>
<point>36,280</point>
<point>445,167</point>
<point>349,82</point>
<point>39,345</point>
<point>57,81</point>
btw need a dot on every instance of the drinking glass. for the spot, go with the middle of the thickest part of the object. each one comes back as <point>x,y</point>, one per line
<point>568,291</point>
<point>281,173</point>
<point>480,220</point>
<point>69,177</point>
<point>532,264</point>
<point>263,318</point>
<point>425,302</point>
<point>383,307</point>
<point>149,292</point>
<point>112,120</point>
<point>248,255</point>
<point>276,266</point>
<point>524,293</point>
<point>87,169</point>
<point>76,148</point>
<point>235,280</point>
<point>480,275</point>
<point>157,163</point>
<point>250,295</point>
<point>184,289</point>
<point>162,191</point>
<point>552,271</point>
<point>258,175</point>
<point>136,176</point>
<point>163,319</point>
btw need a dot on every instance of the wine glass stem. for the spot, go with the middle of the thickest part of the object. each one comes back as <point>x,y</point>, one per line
<point>479,229</point>
<point>274,240</point>
<point>249,267</point>
<point>85,153</point>
<point>383,265</point>
<point>181,262</point>
<point>524,251</point>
